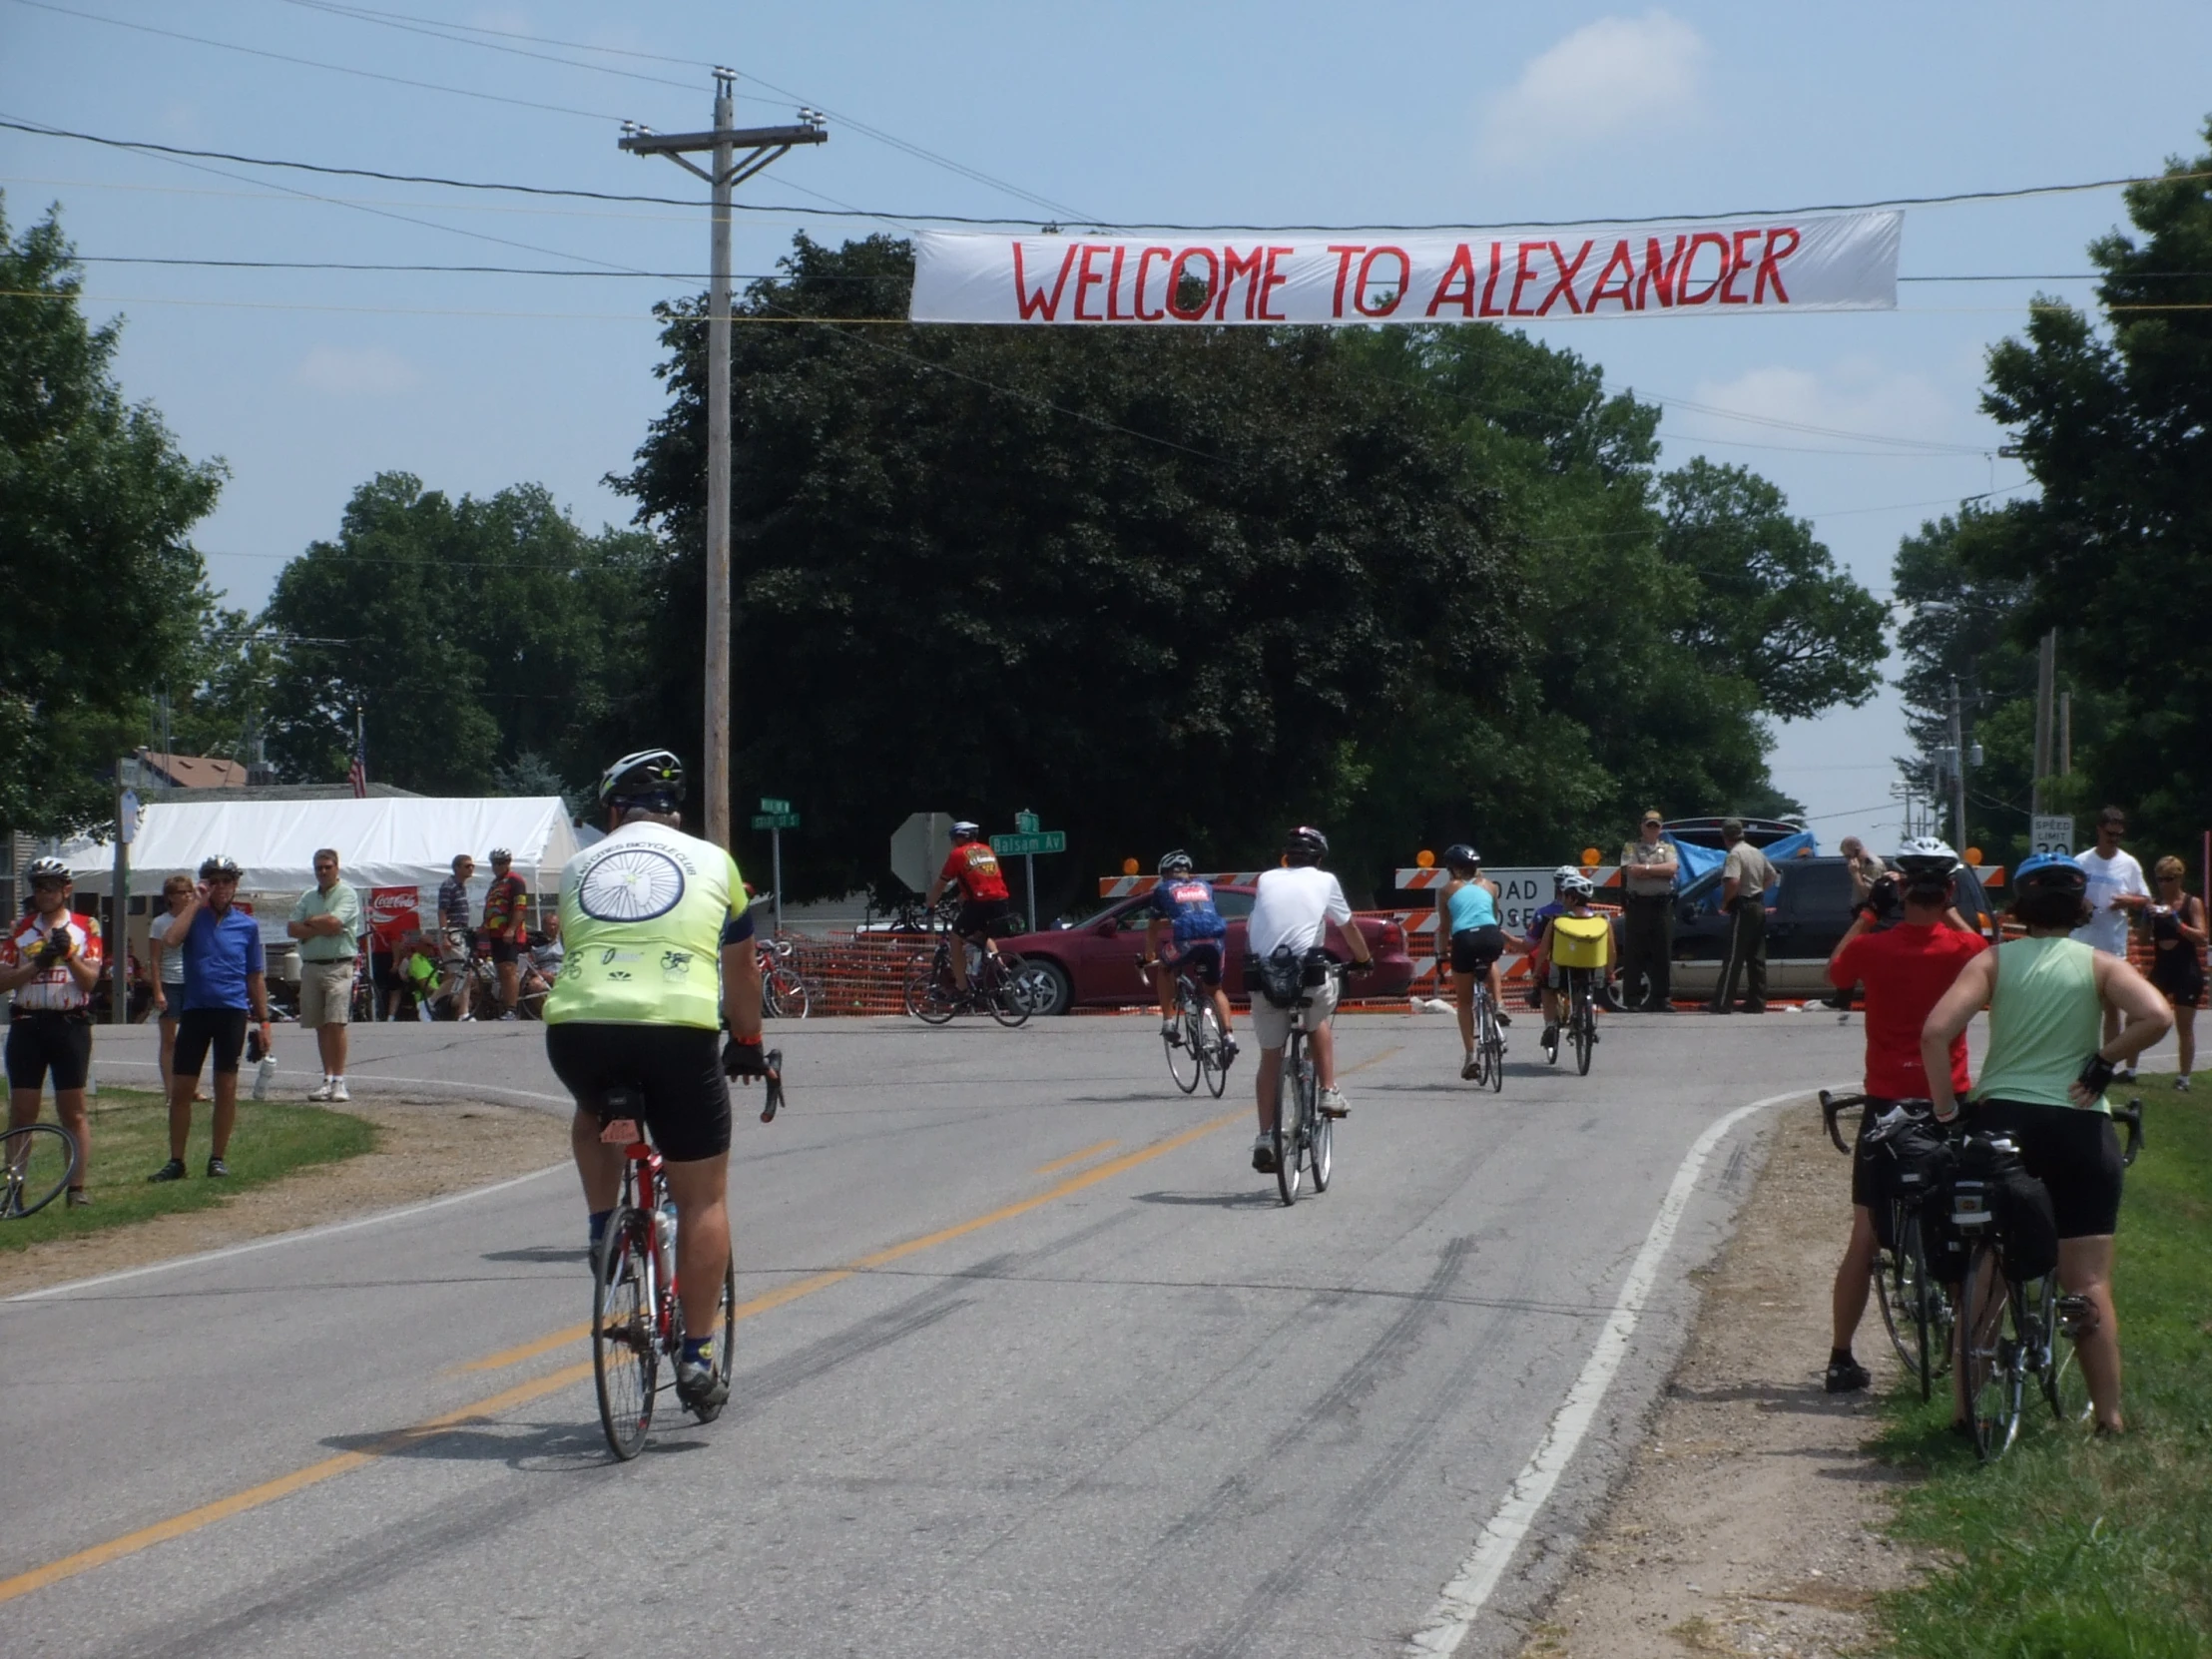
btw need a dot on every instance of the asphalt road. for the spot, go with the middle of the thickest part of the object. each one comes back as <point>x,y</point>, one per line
<point>1035,1364</point>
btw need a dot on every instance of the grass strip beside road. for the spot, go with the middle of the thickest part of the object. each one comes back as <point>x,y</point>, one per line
<point>130,1140</point>
<point>2071,1546</point>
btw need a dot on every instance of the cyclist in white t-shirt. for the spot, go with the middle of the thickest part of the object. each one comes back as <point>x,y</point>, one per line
<point>2117,892</point>
<point>1293,908</point>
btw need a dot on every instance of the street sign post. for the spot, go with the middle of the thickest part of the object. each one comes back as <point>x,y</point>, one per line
<point>775,816</point>
<point>1027,841</point>
<point>2052,832</point>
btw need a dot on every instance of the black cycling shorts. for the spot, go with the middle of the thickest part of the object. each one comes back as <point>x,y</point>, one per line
<point>676,1068</point>
<point>46,1039</point>
<point>1200,958</point>
<point>200,1031</point>
<point>505,950</point>
<point>1473,949</point>
<point>985,919</point>
<point>2073,1151</point>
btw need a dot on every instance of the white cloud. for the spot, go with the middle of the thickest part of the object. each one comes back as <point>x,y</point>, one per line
<point>1615,77</point>
<point>1855,394</point>
<point>357,371</point>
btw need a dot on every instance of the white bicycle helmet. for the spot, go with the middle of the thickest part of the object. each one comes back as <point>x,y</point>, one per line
<point>1577,885</point>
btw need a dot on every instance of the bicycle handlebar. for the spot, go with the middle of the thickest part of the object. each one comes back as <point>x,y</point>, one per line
<point>2132,1115</point>
<point>1833,1105</point>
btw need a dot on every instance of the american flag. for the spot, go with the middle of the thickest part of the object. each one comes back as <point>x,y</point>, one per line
<point>357,773</point>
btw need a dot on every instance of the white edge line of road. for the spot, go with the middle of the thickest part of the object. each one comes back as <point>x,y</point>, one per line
<point>380,1082</point>
<point>323,1232</point>
<point>1463,1599</point>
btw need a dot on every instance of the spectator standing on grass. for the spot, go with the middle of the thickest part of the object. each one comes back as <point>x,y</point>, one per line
<point>453,929</point>
<point>2118,895</point>
<point>2177,935</point>
<point>1906,970</point>
<point>327,920</point>
<point>169,967</point>
<point>224,979</point>
<point>1649,868</point>
<point>51,960</point>
<point>1747,877</point>
<point>505,903</point>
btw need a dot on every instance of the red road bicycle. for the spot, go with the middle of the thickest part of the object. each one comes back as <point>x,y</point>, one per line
<point>636,1319</point>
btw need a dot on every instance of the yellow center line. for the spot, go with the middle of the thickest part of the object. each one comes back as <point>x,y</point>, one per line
<point>1075,1157</point>
<point>523,1394</point>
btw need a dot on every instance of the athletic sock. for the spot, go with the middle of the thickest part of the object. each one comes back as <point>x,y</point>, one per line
<point>694,1350</point>
<point>599,1224</point>
<point>1840,1357</point>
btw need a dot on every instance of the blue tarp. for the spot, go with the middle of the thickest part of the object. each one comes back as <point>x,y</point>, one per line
<point>1700,861</point>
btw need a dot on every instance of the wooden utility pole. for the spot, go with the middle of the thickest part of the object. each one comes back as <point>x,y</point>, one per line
<point>762,144</point>
<point>2046,673</point>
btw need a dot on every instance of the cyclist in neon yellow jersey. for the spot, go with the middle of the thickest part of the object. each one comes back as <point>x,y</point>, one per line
<point>659,951</point>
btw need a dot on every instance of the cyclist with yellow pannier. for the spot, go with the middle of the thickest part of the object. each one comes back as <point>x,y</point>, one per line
<point>1577,943</point>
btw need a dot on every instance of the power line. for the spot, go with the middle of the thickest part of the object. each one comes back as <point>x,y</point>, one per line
<point>444,31</point>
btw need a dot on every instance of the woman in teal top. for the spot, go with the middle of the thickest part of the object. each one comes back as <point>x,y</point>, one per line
<point>2044,1081</point>
<point>1468,911</point>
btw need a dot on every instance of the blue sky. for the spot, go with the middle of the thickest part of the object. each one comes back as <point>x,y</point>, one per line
<point>1228,112</point>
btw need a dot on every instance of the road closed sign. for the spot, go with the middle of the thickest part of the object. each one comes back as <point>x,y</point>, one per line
<point>1521,894</point>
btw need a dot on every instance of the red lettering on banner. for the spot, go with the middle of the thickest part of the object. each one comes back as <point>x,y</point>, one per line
<point>1114,314</point>
<point>1143,259</point>
<point>1344,253</point>
<point>1522,275</point>
<point>1179,269</point>
<point>1234,265</point>
<point>1269,283</point>
<point>1397,293</point>
<point>1087,279</point>
<point>1032,303</point>
<point>1657,276</point>
<point>1463,264</point>
<point>1769,268</point>
<point>1625,263</point>
<point>1489,287</point>
<point>1704,238</point>
<point>1565,285</point>
<point>1739,261</point>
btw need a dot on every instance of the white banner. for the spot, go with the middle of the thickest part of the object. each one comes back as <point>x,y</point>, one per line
<point>1840,263</point>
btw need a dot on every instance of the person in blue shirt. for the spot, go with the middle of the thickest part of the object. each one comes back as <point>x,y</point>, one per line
<point>1475,940</point>
<point>225,978</point>
<point>1186,930</point>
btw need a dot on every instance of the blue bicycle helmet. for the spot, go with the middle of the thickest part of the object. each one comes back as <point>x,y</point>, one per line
<point>2048,872</point>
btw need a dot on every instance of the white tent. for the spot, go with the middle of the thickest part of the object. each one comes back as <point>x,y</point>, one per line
<point>389,841</point>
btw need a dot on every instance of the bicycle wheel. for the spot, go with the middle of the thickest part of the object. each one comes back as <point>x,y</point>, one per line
<point>1585,1032</point>
<point>625,1360</point>
<point>1000,988</point>
<point>1210,1052</point>
<point>1322,1143</point>
<point>2065,1386</point>
<point>929,991</point>
<point>1286,1125</point>
<point>1988,1320</point>
<point>1187,1057</point>
<point>783,986</point>
<point>726,1339</point>
<point>36,1163</point>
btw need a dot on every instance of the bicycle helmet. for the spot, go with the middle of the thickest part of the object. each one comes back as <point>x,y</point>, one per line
<point>218,868</point>
<point>46,869</point>
<point>1563,874</point>
<point>1577,885</point>
<point>2048,872</point>
<point>1460,856</point>
<point>649,774</point>
<point>1307,843</point>
<point>500,855</point>
<point>965,831</point>
<point>1925,861</point>
<point>1177,863</point>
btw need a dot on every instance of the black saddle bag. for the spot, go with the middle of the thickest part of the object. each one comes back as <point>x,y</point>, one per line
<point>1989,1173</point>
<point>1904,1168</point>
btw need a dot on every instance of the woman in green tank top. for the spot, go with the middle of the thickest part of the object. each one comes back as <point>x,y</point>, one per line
<point>2043,1080</point>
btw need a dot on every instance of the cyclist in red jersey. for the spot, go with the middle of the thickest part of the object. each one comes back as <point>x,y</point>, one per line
<point>986,907</point>
<point>1906,970</point>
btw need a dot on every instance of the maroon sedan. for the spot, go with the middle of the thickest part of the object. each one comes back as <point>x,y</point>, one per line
<point>1094,962</point>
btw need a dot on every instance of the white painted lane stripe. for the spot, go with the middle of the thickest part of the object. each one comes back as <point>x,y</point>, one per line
<point>323,1232</point>
<point>1454,1615</point>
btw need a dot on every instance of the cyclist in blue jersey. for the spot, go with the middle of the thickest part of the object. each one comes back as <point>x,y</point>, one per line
<point>1186,930</point>
<point>1469,914</point>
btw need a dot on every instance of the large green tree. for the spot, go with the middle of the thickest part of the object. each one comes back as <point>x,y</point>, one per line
<point>469,634</point>
<point>107,598</point>
<point>2115,421</point>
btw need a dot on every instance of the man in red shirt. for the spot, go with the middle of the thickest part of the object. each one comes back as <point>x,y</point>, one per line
<point>1906,970</point>
<point>51,958</point>
<point>506,905</point>
<point>986,909</point>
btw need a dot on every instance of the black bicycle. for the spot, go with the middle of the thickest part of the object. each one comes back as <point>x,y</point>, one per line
<point>1305,1135</point>
<point>1580,1025</point>
<point>1194,1038</point>
<point>37,1163</point>
<point>995,985</point>
<point>1915,1307</point>
<point>1489,1040</point>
